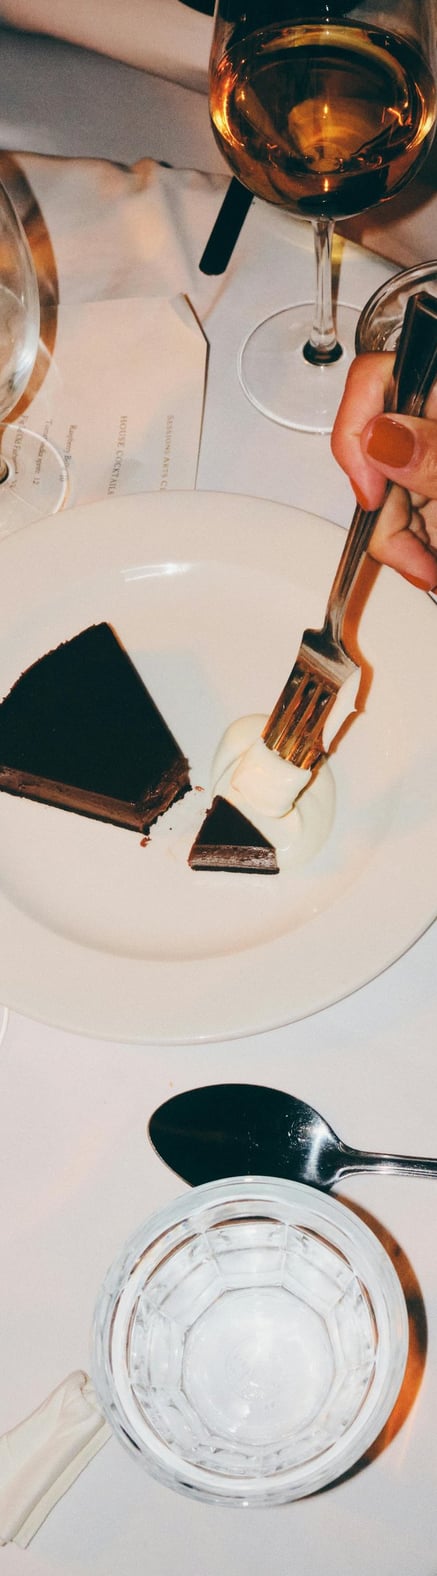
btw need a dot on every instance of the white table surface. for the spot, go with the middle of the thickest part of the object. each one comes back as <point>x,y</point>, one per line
<point>78,1174</point>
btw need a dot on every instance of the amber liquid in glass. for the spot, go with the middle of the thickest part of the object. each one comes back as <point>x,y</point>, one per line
<point>325,120</point>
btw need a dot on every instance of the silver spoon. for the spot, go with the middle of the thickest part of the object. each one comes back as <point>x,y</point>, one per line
<point>238,1129</point>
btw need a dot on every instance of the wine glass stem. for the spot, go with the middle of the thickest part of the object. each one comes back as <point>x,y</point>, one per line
<point>322,345</point>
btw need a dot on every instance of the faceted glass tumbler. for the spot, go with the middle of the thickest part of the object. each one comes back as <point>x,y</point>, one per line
<point>380,322</point>
<point>250,1341</point>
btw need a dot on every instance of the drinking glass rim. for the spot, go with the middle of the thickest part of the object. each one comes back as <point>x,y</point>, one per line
<point>404,278</point>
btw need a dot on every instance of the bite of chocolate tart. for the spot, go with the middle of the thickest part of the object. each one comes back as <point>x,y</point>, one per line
<point>228,841</point>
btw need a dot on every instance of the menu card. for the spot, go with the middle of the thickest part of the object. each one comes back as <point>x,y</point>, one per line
<point>120,393</point>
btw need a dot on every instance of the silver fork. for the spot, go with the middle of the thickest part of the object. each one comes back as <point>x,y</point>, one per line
<point>296,724</point>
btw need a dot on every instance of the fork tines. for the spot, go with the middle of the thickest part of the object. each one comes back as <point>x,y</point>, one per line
<point>296,725</point>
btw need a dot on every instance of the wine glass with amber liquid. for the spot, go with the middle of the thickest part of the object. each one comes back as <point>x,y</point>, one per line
<point>324,108</point>
<point>33,474</point>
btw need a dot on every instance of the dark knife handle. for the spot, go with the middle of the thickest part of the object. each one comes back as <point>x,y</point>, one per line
<point>225,233</point>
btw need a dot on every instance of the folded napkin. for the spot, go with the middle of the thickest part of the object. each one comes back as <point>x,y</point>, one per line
<point>162,36</point>
<point>42,1456</point>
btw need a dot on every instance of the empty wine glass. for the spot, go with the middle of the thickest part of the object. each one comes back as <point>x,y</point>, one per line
<point>325,108</point>
<point>33,476</point>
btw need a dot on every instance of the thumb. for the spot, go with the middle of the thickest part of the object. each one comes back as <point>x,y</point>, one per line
<point>404,449</point>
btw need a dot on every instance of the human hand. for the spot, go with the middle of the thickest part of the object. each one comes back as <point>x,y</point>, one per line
<point>373,448</point>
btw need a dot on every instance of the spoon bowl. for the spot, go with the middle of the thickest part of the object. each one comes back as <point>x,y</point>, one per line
<point>239,1129</point>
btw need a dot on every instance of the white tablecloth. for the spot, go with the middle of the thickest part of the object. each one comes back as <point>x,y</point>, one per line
<point>165,37</point>
<point>77,1172</point>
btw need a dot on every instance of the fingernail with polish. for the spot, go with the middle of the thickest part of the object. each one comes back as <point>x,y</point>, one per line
<point>391,443</point>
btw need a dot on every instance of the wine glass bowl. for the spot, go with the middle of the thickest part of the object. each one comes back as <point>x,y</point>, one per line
<point>33,478</point>
<point>323,108</point>
<point>19,308</point>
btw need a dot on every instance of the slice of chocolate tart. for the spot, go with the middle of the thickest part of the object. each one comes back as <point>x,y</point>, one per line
<point>228,841</point>
<point>80,730</point>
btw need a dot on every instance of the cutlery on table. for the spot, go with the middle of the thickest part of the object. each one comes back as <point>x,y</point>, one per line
<point>238,1129</point>
<point>296,724</point>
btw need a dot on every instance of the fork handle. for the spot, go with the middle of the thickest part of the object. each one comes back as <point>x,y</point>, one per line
<point>414,373</point>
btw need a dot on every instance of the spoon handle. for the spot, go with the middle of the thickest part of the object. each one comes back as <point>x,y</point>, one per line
<point>390,1165</point>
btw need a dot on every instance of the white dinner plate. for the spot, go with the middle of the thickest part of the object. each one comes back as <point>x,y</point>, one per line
<point>209,593</point>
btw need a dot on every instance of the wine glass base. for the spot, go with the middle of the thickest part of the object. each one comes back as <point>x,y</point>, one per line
<point>277,379</point>
<point>37,479</point>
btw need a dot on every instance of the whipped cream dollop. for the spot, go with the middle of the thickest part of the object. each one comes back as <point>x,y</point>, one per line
<point>259,783</point>
<point>266,781</point>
